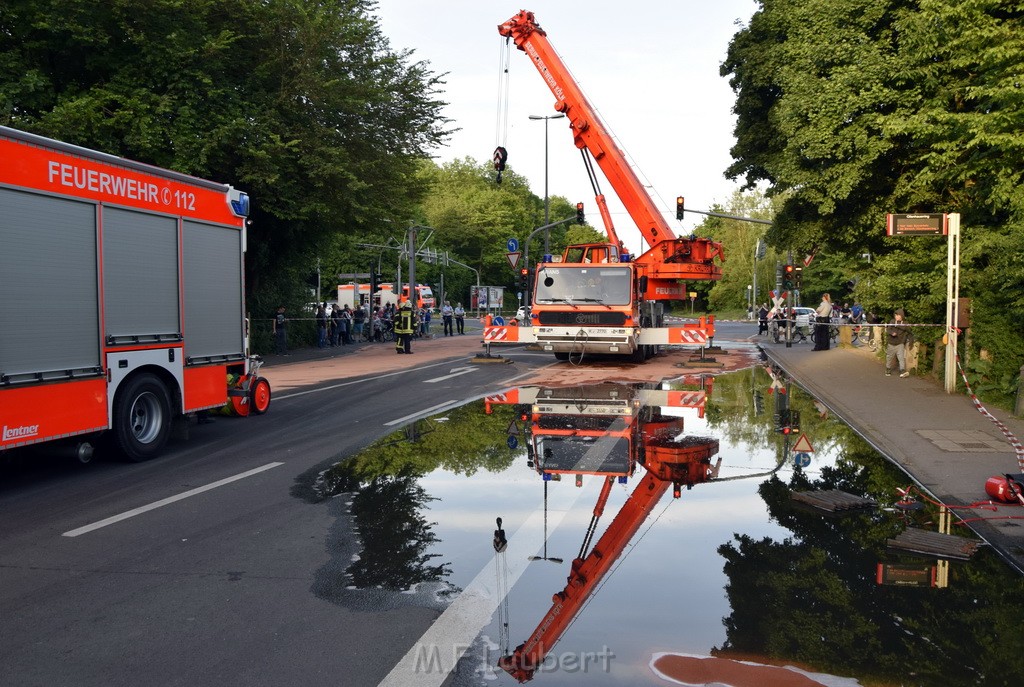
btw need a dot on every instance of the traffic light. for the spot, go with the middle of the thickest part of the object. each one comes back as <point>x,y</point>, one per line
<point>788,422</point>
<point>679,207</point>
<point>580,217</point>
<point>524,279</point>
<point>798,278</point>
<point>787,277</point>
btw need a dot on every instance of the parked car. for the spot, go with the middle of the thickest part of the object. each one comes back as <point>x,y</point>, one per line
<point>804,317</point>
<point>523,314</point>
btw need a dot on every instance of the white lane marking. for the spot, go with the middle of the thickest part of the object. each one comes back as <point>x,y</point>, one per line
<point>430,660</point>
<point>355,381</point>
<point>170,499</point>
<point>425,411</point>
<point>454,372</point>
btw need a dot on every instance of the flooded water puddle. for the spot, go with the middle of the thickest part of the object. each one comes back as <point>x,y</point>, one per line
<point>614,534</point>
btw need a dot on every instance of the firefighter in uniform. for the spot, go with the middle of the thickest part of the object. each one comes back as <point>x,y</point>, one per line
<point>405,325</point>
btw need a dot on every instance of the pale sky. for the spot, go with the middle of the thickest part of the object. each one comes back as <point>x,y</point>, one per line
<point>650,68</point>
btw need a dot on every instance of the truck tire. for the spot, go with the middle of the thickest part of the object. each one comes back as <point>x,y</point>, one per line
<point>142,417</point>
<point>561,355</point>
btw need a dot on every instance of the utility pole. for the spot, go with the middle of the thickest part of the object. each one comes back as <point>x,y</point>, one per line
<point>412,266</point>
<point>547,201</point>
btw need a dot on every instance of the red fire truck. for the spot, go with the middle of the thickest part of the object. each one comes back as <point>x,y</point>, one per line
<point>122,291</point>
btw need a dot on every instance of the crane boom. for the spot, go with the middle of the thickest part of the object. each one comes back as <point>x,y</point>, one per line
<point>669,257</point>
<point>668,463</point>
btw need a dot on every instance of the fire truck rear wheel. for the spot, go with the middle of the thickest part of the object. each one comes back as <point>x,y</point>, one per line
<point>142,417</point>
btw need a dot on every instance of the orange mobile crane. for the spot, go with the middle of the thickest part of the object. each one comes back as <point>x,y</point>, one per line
<point>656,442</point>
<point>597,298</point>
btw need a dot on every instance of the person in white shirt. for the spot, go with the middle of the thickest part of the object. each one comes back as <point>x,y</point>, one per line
<point>447,314</point>
<point>823,313</point>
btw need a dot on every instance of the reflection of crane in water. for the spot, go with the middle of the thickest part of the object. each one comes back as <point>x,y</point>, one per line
<point>588,443</point>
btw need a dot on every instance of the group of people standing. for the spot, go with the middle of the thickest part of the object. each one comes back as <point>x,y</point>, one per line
<point>338,327</point>
<point>898,336</point>
<point>456,316</point>
<point>345,325</point>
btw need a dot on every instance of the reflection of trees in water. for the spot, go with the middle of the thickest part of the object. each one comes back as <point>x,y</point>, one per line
<point>394,534</point>
<point>812,598</point>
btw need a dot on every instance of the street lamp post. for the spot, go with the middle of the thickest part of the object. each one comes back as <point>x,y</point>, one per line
<point>547,247</point>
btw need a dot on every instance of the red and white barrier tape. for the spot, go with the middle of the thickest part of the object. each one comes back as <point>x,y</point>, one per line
<point>1018,448</point>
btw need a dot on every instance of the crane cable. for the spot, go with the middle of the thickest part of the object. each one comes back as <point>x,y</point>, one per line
<point>500,155</point>
<point>501,587</point>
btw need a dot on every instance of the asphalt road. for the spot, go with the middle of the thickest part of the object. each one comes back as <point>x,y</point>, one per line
<point>208,578</point>
<point>212,565</point>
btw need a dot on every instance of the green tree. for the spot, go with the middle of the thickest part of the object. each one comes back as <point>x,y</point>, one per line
<point>847,111</point>
<point>303,105</point>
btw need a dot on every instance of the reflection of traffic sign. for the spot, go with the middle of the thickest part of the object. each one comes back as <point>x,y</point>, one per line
<point>513,428</point>
<point>512,245</point>
<point>512,442</point>
<point>801,460</point>
<point>803,445</point>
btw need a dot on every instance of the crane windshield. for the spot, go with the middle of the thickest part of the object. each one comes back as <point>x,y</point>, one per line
<point>602,285</point>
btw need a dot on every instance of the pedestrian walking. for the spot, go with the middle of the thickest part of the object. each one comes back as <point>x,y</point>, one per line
<point>823,320</point>
<point>762,319</point>
<point>460,318</point>
<point>897,337</point>
<point>281,331</point>
<point>405,325</point>
<point>447,317</point>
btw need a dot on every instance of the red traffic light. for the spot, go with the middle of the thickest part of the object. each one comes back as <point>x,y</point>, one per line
<point>789,269</point>
<point>524,271</point>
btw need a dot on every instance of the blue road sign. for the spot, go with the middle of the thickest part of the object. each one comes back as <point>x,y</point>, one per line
<point>802,460</point>
<point>498,321</point>
<point>512,442</point>
<point>512,244</point>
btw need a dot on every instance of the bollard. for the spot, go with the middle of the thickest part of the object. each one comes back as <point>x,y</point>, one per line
<point>845,336</point>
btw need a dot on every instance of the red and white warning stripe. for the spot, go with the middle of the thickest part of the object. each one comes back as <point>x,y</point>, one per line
<point>494,334</point>
<point>1018,448</point>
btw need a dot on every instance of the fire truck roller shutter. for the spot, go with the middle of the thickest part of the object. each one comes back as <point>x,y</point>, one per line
<point>213,291</point>
<point>140,275</point>
<point>48,284</point>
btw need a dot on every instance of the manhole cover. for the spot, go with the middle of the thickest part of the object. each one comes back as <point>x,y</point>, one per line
<point>971,441</point>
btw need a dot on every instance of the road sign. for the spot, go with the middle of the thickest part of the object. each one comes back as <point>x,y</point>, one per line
<point>935,224</point>
<point>498,321</point>
<point>513,258</point>
<point>803,445</point>
<point>801,460</point>
<point>513,428</point>
<point>512,442</point>
<point>512,245</point>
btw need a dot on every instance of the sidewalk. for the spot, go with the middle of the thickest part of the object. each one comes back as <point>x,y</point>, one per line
<point>942,441</point>
<point>311,365</point>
